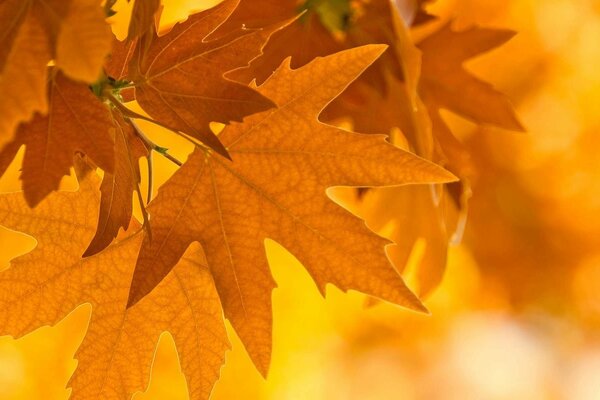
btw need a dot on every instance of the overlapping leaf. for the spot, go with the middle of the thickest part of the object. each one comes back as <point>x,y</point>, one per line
<point>433,78</point>
<point>114,360</point>
<point>77,122</point>
<point>279,160</point>
<point>446,84</point>
<point>118,187</point>
<point>142,17</point>
<point>310,36</point>
<point>179,76</point>
<point>283,160</point>
<point>32,32</point>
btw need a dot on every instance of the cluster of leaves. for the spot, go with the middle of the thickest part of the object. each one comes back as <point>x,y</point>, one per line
<point>272,72</point>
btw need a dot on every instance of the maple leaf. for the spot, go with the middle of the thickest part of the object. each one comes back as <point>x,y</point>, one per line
<point>114,360</point>
<point>302,40</point>
<point>77,122</point>
<point>420,220</point>
<point>117,188</point>
<point>83,41</point>
<point>283,160</point>
<point>73,33</point>
<point>179,76</point>
<point>433,78</point>
<point>326,27</point>
<point>446,84</point>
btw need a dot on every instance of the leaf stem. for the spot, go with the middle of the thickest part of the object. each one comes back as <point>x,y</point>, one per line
<point>150,145</point>
<point>132,114</point>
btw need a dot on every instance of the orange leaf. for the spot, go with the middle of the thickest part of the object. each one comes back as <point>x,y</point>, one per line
<point>83,41</point>
<point>74,33</point>
<point>282,162</point>
<point>77,122</point>
<point>180,75</point>
<point>117,188</point>
<point>446,84</point>
<point>114,360</point>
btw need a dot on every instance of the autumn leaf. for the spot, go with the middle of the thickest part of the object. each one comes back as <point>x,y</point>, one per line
<point>179,76</point>
<point>446,84</point>
<point>77,122</point>
<point>326,27</point>
<point>265,175</point>
<point>142,17</point>
<point>432,78</point>
<point>32,33</point>
<point>302,40</point>
<point>83,41</point>
<point>114,360</point>
<point>118,187</point>
<point>160,68</point>
<point>274,187</point>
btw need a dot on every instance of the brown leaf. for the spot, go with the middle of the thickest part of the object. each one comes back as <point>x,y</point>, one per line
<point>446,84</point>
<point>302,40</point>
<point>77,122</point>
<point>114,360</point>
<point>117,63</point>
<point>180,75</point>
<point>306,38</point>
<point>283,160</point>
<point>142,17</point>
<point>118,187</point>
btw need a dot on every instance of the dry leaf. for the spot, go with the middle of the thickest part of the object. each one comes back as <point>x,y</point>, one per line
<point>180,75</point>
<point>77,122</point>
<point>34,32</point>
<point>118,187</point>
<point>446,84</point>
<point>142,17</point>
<point>283,160</point>
<point>114,360</point>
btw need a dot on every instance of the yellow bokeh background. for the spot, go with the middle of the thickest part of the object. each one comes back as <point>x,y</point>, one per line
<point>517,315</point>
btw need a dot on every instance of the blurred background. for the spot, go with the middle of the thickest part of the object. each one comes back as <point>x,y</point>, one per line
<point>517,315</point>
